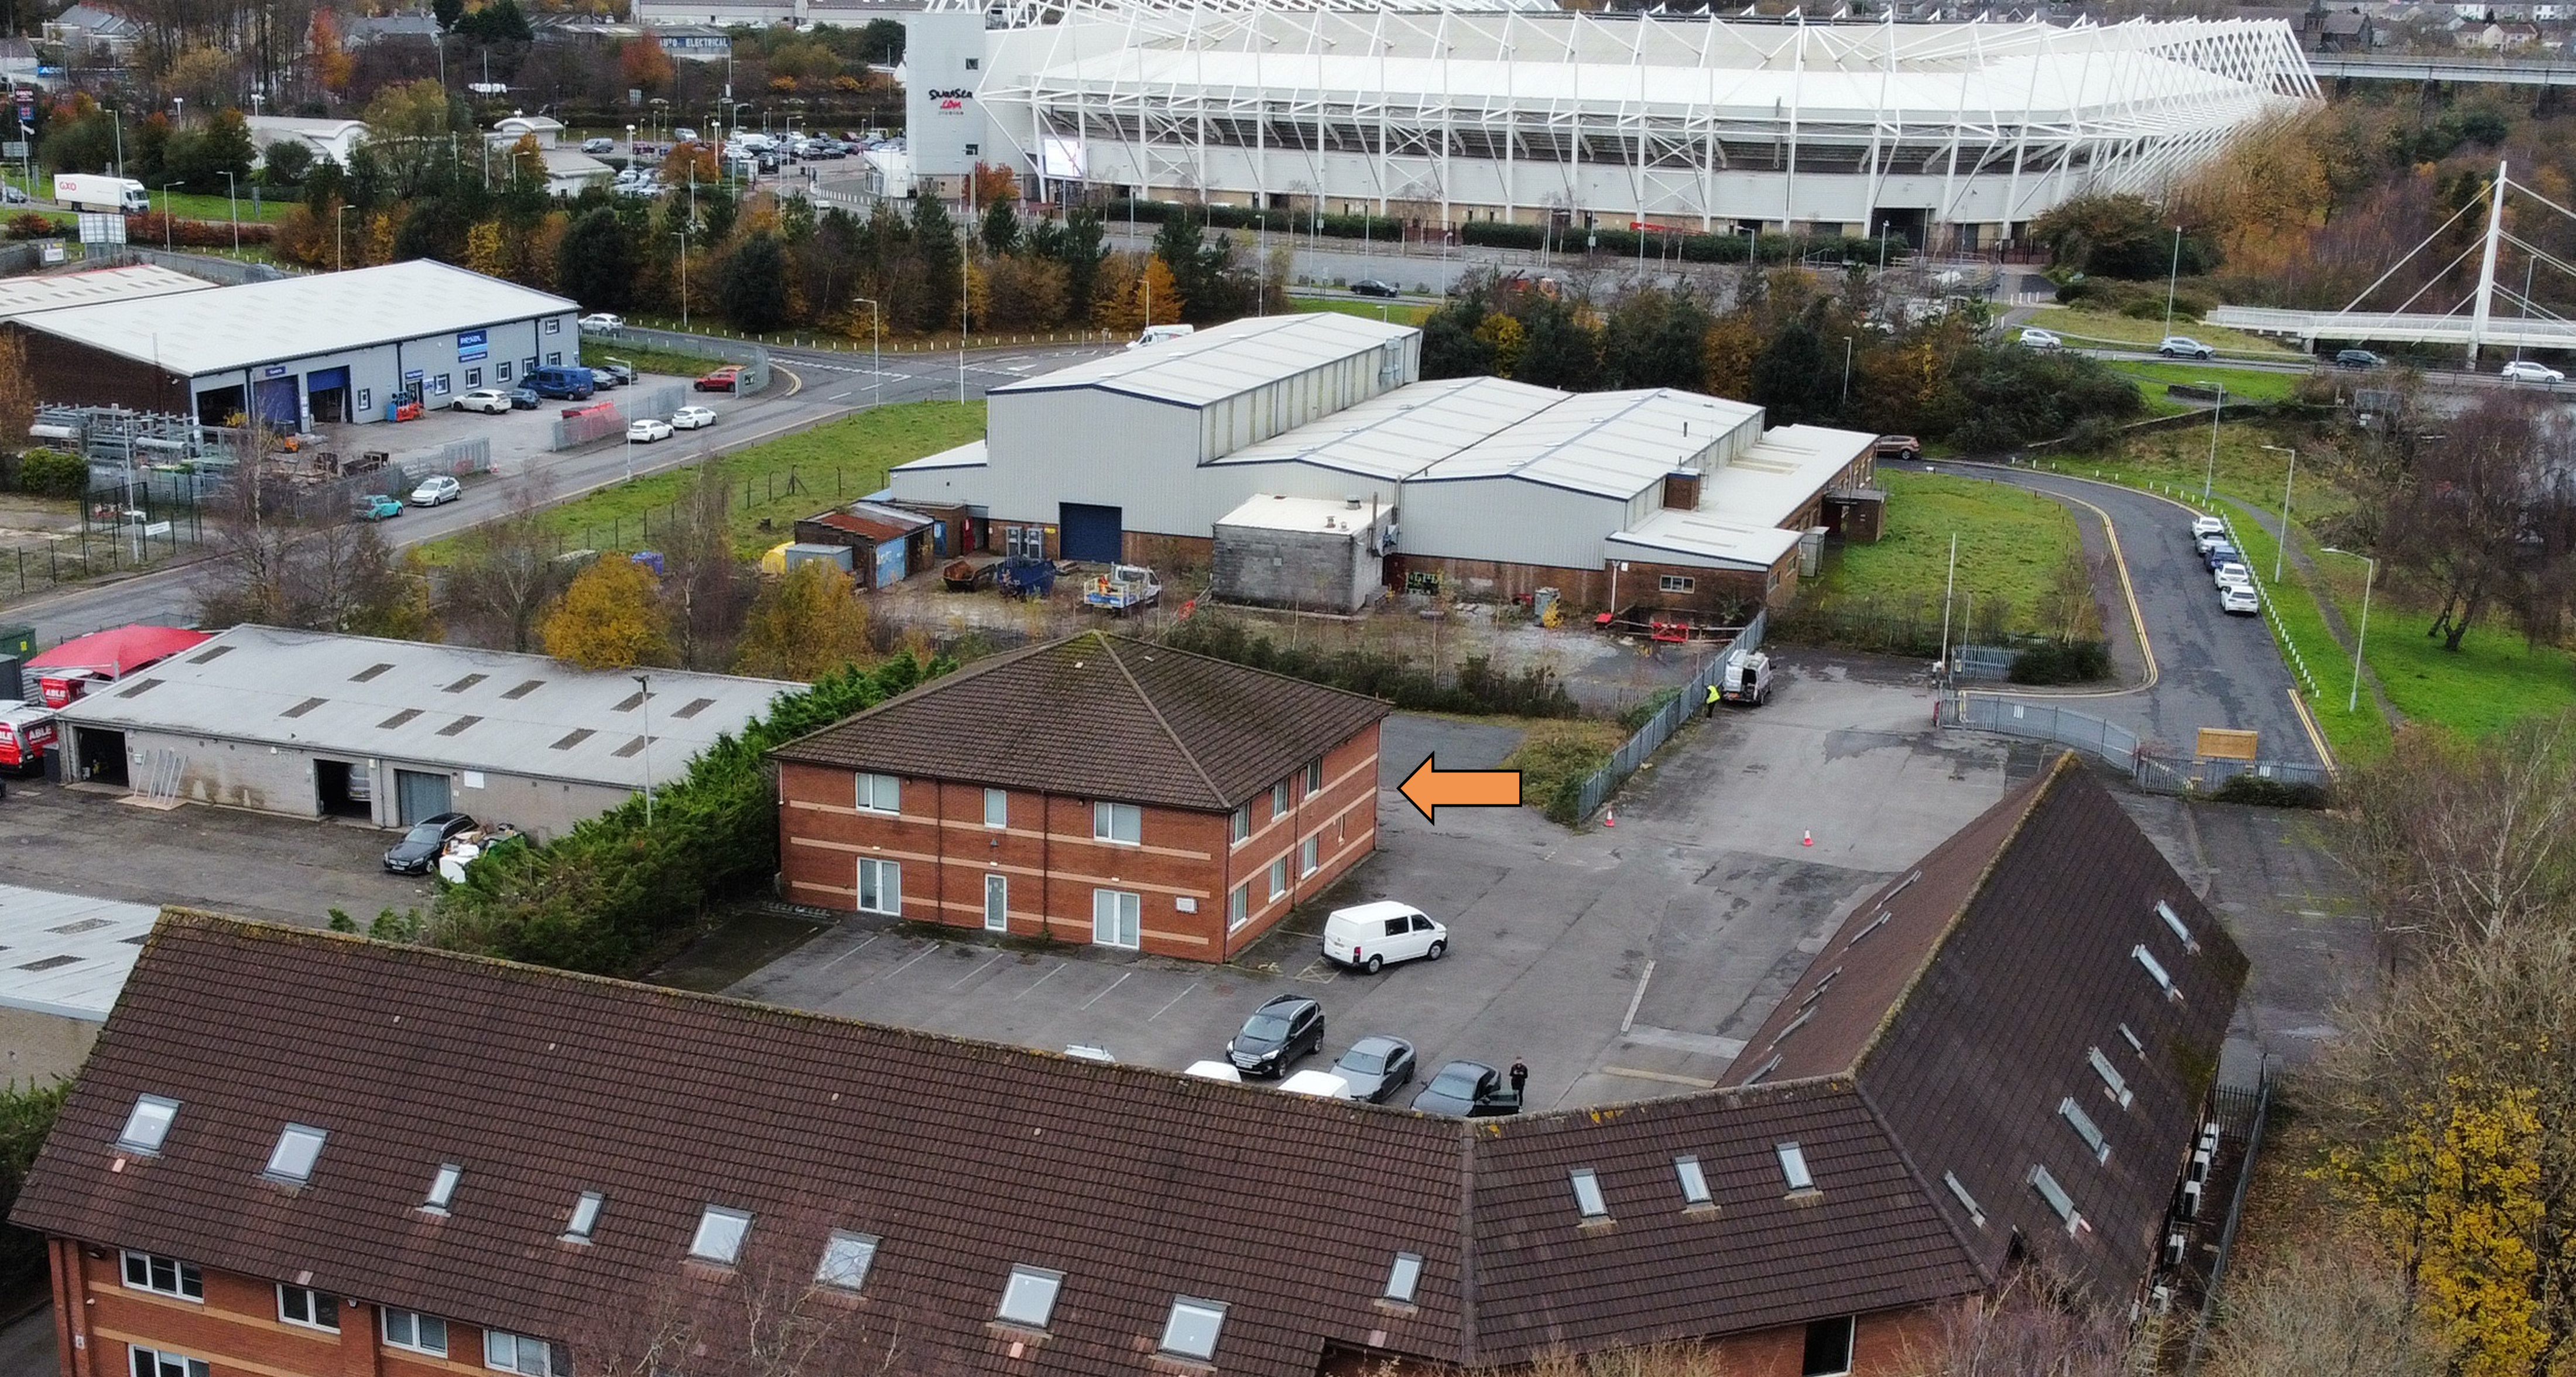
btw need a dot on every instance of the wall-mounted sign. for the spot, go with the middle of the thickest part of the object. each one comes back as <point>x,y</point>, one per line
<point>951,101</point>
<point>470,346</point>
<point>412,376</point>
<point>274,370</point>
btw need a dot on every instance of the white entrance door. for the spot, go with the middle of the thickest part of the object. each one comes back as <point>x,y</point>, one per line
<point>997,903</point>
<point>1117,916</point>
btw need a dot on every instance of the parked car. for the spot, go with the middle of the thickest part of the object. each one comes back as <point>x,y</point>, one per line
<point>436,489</point>
<point>1376,1067</point>
<point>1214,1071</point>
<point>491,401</point>
<point>600,322</point>
<point>1469,1089</point>
<point>1367,936</point>
<point>2523,370</point>
<point>647,429</point>
<point>599,145</point>
<point>2205,540</point>
<point>561,380</point>
<point>2239,599</point>
<point>2184,347</point>
<point>2032,337</point>
<point>2359,358</point>
<point>419,848</point>
<point>1277,1034</point>
<point>684,135</point>
<point>693,418</point>
<point>2203,527</point>
<point>601,379</point>
<point>2233,573</point>
<point>1900,447</point>
<point>10,195</point>
<point>1371,286</point>
<point>1156,334</point>
<point>725,379</point>
<point>378,506</point>
<point>525,398</point>
<point>618,369</point>
<point>2221,553</point>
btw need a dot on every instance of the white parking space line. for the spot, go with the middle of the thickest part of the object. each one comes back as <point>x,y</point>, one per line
<point>863,946</point>
<point>980,967</point>
<point>1638,998</point>
<point>926,953</point>
<point>1328,973</point>
<point>1050,975</point>
<point>1167,1008</point>
<point>1114,984</point>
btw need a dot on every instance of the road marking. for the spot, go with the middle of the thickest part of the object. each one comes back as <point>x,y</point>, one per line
<point>1184,994</point>
<point>926,953</point>
<point>1114,984</point>
<point>1638,998</point>
<point>2119,561</point>
<point>863,946</point>
<point>1050,975</point>
<point>1702,1043</point>
<point>1664,1076</point>
<point>980,967</point>
<point>2316,738</point>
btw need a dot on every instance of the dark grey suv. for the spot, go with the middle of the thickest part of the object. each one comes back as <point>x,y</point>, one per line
<point>1277,1034</point>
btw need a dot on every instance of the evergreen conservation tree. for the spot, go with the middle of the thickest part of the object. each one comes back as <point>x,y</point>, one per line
<point>753,286</point>
<point>1790,378</point>
<point>592,264</point>
<point>935,248</point>
<point>1001,228</point>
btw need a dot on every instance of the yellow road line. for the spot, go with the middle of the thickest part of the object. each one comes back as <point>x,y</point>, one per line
<point>2315,738</point>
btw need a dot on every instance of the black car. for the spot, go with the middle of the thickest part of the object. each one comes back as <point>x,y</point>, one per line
<point>2359,358</point>
<point>1370,286</point>
<point>1276,1035</point>
<point>1470,1090</point>
<point>1376,1067</point>
<point>419,848</point>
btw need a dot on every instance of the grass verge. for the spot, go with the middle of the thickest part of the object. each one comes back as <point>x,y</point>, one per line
<point>666,361</point>
<point>1397,312</point>
<point>2298,623</point>
<point>2011,543</point>
<point>2086,326</point>
<point>2243,384</point>
<point>1556,757</point>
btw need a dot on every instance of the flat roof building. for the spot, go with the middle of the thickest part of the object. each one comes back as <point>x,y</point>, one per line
<point>325,347</point>
<point>315,724</point>
<point>69,955</point>
<point>44,292</point>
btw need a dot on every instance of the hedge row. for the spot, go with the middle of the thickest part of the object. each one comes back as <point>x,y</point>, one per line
<point>151,228</point>
<point>1249,217</point>
<point>44,472</point>
<point>1692,248</point>
<point>1478,688</point>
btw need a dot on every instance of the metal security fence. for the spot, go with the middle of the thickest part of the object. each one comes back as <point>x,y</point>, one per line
<point>606,416</point>
<point>458,458</point>
<point>1983,661</point>
<point>2206,774</point>
<point>1634,752</point>
<point>2047,722</point>
<point>750,357</point>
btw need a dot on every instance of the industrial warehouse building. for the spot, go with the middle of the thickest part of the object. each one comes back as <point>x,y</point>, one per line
<point>326,347</point>
<point>318,725</point>
<point>1438,113</point>
<point>1477,486</point>
<point>69,955</point>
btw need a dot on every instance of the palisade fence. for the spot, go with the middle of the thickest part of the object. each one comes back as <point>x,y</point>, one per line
<point>822,488</point>
<point>1633,752</point>
<point>602,419</point>
<point>2117,746</point>
<point>751,357</point>
<point>2241,1113</point>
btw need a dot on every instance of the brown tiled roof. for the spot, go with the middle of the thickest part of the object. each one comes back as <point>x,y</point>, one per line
<point>1100,716</point>
<point>2007,955</point>
<point>873,521</point>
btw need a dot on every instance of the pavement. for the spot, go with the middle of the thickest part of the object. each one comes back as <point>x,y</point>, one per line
<point>27,1346</point>
<point>1621,963</point>
<point>2201,667</point>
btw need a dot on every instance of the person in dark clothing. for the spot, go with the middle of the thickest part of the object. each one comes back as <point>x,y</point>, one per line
<point>1520,1076</point>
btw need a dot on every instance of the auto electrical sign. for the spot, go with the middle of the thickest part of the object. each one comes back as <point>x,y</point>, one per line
<point>470,346</point>
<point>951,101</point>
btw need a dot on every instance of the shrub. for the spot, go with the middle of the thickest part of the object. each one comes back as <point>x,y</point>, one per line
<point>1556,759</point>
<point>2062,662</point>
<point>30,225</point>
<point>27,1113</point>
<point>51,473</point>
<point>2270,793</point>
<point>2093,435</point>
<point>1479,688</point>
<point>153,227</point>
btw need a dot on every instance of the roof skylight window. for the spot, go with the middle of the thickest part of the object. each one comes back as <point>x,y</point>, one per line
<point>1192,1329</point>
<point>2086,1129</point>
<point>585,1217</point>
<point>1874,925</point>
<point>2057,1198</point>
<point>1694,1181</point>
<point>291,1161</point>
<point>1793,1165</point>
<point>846,1257</point>
<point>1822,985</point>
<point>1976,1212</point>
<point>1587,1195</point>
<point>2146,958</point>
<point>720,1235</point>
<point>1403,1277</point>
<point>148,1124</point>
<point>2112,1080</point>
<point>1762,1072</point>
<point>1795,1024</point>
<point>442,1187</point>
<point>2173,920</point>
<point>2134,1045</point>
<point>1029,1296</point>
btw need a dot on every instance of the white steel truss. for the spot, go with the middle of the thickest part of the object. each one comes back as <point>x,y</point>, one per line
<point>1448,113</point>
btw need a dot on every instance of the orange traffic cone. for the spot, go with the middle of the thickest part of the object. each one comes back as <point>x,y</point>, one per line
<point>1610,817</point>
<point>1808,839</point>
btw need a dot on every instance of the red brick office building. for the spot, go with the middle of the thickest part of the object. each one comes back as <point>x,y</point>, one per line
<point>1095,789</point>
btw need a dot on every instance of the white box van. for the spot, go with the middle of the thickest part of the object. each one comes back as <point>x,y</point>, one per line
<point>1320,1084</point>
<point>1371,935</point>
<point>107,194</point>
<point>1156,334</point>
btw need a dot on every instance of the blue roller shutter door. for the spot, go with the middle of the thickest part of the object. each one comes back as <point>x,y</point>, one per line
<point>1091,533</point>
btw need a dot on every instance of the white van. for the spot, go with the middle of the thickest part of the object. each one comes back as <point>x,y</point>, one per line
<point>1323,1085</point>
<point>1215,1071</point>
<point>1156,334</point>
<point>1371,935</point>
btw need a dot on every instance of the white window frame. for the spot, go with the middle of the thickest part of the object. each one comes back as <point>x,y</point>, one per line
<point>1314,776</point>
<point>2112,1080</point>
<point>413,1322</point>
<point>722,1230</point>
<point>997,808</point>
<point>1238,906</point>
<point>1211,1313</point>
<point>442,1188</point>
<point>1310,855</point>
<point>585,1217</point>
<point>1694,1181</point>
<point>1124,907</point>
<point>1851,1342</point>
<point>1238,826</point>
<point>880,886</point>
<point>153,1362</point>
<point>1106,818</point>
<point>180,1274</point>
<point>997,901</point>
<point>1036,1280</point>
<point>1403,1279</point>
<point>1279,799</point>
<point>298,1152</point>
<point>1793,1167</point>
<point>313,1303</point>
<point>1588,1198</point>
<point>504,1351</point>
<point>847,1257</point>
<point>147,1125</point>
<point>1278,878</point>
<point>2094,1139</point>
<point>877,793</point>
<point>1676,583</point>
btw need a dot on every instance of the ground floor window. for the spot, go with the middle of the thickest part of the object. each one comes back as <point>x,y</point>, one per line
<point>1308,857</point>
<point>473,377</point>
<point>501,370</point>
<point>1829,1348</point>
<point>521,1354</point>
<point>1238,906</point>
<point>881,887</point>
<point>1117,918</point>
<point>149,1363</point>
<point>1676,583</point>
<point>1278,877</point>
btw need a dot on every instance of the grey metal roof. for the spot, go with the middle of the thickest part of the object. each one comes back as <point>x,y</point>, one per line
<point>1223,360</point>
<point>226,328</point>
<point>1612,444</point>
<point>67,954</point>
<point>438,705</point>
<point>1398,434</point>
<point>21,295</point>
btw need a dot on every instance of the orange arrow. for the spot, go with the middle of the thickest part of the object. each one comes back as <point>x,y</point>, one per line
<point>1430,788</point>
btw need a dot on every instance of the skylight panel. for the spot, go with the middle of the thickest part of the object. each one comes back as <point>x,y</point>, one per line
<point>1587,1194</point>
<point>2085,1128</point>
<point>1959,1190</point>
<point>2155,968</point>
<point>720,1235</point>
<point>148,1123</point>
<point>1028,1298</point>
<point>585,1217</point>
<point>1762,1072</point>
<point>1795,1024</point>
<point>1403,1277</point>
<point>2134,1045</point>
<point>846,1257</point>
<point>1192,1329</point>
<point>2057,1198</point>
<point>1874,925</point>
<point>298,1147</point>
<point>1793,1165</point>
<point>1694,1181</point>
<point>442,1187</point>
<point>1822,985</point>
<point>2174,921</point>
<point>2112,1080</point>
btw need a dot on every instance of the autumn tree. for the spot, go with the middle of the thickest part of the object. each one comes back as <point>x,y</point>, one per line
<point>332,65</point>
<point>705,590</point>
<point>609,618</point>
<point>17,392</point>
<point>805,625</point>
<point>2326,1307</point>
<point>645,66</point>
<point>1158,297</point>
<point>504,575</point>
<point>2462,842</point>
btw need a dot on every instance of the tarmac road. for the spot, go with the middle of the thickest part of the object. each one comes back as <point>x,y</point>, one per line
<point>2204,668</point>
<point>817,387</point>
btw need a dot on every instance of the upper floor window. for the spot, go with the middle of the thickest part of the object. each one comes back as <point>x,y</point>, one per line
<point>1279,799</point>
<point>415,1331</point>
<point>1238,826</point>
<point>1315,776</point>
<point>1029,1296</point>
<point>880,793</point>
<point>298,1148</point>
<point>1120,823</point>
<point>167,1275</point>
<point>506,1352</point>
<point>148,1124</point>
<point>720,1235</point>
<point>997,808</point>
<point>846,1257</point>
<point>305,1306</point>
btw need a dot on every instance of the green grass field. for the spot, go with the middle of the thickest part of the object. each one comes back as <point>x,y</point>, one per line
<point>667,361</point>
<point>185,205</point>
<point>1399,312</point>
<point>776,482</point>
<point>2493,680</point>
<point>2242,384</point>
<point>2088,326</point>
<point>2011,542</point>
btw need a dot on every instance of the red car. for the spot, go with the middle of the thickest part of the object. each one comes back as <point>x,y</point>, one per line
<point>725,379</point>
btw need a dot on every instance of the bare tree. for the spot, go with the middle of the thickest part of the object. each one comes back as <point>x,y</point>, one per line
<point>506,573</point>
<point>705,589</point>
<point>764,1319</point>
<point>2327,1308</point>
<point>2462,842</point>
<point>2469,520</point>
<point>2031,1326</point>
<point>284,559</point>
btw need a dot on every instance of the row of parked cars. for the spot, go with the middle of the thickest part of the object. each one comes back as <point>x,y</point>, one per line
<point>2226,564</point>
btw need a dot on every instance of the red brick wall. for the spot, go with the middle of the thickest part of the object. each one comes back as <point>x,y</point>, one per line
<point>1182,871</point>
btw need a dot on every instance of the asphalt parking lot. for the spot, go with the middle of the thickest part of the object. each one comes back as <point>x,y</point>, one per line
<point>520,439</point>
<point>1621,964</point>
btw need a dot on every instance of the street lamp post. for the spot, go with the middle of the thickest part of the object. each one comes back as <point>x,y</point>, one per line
<point>2369,575</point>
<point>165,213</point>
<point>876,344</point>
<point>645,682</point>
<point>1845,404</point>
<point>683,237</point>
<point>117,118</point>
<point>2172,275</point>
<point>339,252</point>
<point>232,194</point>
<point>2209,479</point>
<point>2282,549</point>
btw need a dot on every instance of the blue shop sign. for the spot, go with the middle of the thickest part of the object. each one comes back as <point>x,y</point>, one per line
<point>470,346</point>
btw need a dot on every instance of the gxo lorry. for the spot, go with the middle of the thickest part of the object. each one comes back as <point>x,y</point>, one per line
<point>108,195</point>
